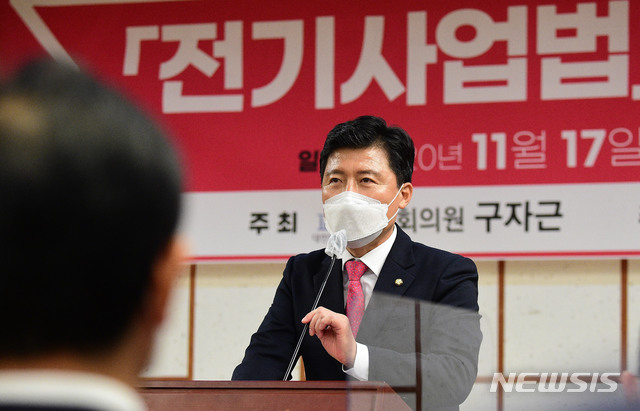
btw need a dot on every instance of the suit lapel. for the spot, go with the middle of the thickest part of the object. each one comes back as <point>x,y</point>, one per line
<point>395,278</point>
<point>333,294</point>
<point>397,273</point>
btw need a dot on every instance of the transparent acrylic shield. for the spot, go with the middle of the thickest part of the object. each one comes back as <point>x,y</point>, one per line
<point>425,356</point>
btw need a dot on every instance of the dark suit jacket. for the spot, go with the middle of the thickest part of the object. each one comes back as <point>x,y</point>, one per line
<point>427,274</point>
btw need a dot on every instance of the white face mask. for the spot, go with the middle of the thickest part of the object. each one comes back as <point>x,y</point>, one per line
<point>362,217</point>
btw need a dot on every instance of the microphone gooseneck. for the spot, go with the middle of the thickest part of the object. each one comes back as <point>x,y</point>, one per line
<point>336,245</point>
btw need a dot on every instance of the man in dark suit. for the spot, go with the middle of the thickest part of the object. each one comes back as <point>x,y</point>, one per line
<point>366,170</point>
<point>89,204</point>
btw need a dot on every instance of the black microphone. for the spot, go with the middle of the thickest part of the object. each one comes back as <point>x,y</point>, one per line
<point>336,245</point>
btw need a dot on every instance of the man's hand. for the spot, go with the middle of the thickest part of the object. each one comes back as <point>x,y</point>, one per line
<point>334,331</point>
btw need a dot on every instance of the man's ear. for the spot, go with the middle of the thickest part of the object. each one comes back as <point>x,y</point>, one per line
<point>164,274</point>
<point>406,192</point>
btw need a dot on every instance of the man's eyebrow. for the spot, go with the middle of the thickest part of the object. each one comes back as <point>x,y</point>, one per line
<point>339,172</point>
<point>361,172</point>
<point>334,171</point>
<point>374,172</point>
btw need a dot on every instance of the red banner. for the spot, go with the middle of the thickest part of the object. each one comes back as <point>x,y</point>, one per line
<point>519,92</point>
<point>524,113</point>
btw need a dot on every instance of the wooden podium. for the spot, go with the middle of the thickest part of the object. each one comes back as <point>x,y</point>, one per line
<point>165,395</point>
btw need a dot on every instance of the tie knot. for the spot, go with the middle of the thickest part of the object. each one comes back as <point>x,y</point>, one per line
<point>355,269</point>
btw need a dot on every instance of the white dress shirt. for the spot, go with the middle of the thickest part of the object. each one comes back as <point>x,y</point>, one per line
<point>374,260</point>
<point>67,389</point>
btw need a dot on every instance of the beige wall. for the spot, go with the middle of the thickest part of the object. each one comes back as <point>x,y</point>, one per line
<point>557,316</point>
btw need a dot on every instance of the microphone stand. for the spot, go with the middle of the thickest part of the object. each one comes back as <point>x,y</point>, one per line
<point>306,326</point>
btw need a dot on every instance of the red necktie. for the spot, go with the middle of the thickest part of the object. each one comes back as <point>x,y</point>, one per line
<point>355,296</point>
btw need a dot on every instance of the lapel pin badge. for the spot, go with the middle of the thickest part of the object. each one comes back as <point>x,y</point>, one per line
<point>399,282</point>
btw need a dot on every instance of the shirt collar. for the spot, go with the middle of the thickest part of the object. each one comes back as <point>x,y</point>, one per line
<point>375,258</point>
<point>68,388</point>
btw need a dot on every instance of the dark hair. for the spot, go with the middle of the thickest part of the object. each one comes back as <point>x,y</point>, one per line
<point>367,131</point>
<point>89,199</point>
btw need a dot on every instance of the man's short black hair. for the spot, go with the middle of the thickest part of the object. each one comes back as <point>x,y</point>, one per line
<point>89,199</point>
<point>367,131</point>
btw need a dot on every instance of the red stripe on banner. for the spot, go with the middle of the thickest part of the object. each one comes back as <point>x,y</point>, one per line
<point>497,255</point>
<point>608,254</point>
<point>235,258</point>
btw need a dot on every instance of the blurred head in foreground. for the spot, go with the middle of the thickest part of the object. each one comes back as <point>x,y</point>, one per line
<point>89,204</point>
